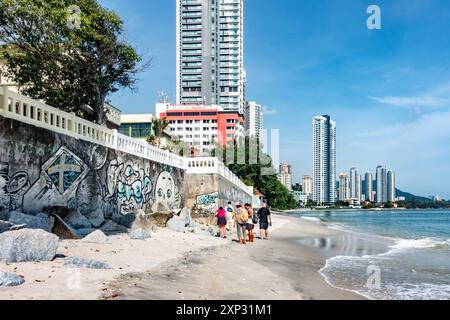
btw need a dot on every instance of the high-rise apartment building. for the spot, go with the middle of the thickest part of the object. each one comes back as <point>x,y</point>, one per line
<point>324,159</point>
<point>369,187</point>
<point>344,187</point>
<point>254,120</point>
<point>381,195</point>
<point>307,185</point>
<point>355,184</point>
<point>285,176</point>
<point>391,190</point>
<point>210,53</point>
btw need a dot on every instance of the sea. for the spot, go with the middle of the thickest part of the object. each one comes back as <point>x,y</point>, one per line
<point>415,267</point>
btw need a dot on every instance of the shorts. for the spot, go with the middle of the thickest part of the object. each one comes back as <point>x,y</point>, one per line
<point>222,221</point>
<point>264,225</point>
<point>250,227</point>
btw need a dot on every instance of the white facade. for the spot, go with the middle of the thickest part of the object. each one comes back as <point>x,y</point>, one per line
<point>344,187</point>
<point>210,53</point>
<point>381,195</point>
<point>307,185</point>
<point>355,184</point>
<point>369,187</point>
<point>324,160</point>
<point>285,176</point>
<point>254,120</point>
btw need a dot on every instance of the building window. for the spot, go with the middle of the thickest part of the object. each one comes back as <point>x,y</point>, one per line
<point>136,130</point>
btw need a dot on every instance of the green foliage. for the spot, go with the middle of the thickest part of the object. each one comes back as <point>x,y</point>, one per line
<point>261,175</point>
<point>368,206</point>
<point>311,203</point>
<point>158,128</point>
<point>71,67</point>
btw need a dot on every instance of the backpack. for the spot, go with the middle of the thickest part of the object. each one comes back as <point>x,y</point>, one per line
<point>255,218</point>
<point>244,215</point>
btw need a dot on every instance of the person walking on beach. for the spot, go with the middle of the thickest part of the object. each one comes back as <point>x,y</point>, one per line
<point>240,220</point>
<point>230,216</point>
<point>222,222</point>
<point>265,221</point>
<point>250,222</point>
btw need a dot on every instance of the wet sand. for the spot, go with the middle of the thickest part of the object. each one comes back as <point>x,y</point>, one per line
<point>284,268</point>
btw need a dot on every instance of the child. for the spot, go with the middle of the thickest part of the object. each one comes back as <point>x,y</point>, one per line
<point>222,222</point>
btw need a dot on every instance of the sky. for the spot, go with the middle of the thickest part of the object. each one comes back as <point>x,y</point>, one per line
<point>388,90</point>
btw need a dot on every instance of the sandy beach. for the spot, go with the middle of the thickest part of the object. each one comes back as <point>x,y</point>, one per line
<point>176,266</point>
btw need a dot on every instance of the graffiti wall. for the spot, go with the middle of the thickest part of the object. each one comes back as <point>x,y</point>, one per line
<point>207,192</point>
<point>40,168</point>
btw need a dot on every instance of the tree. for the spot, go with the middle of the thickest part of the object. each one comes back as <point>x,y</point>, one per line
<point>261,174</point>
<point>158,128</point>
<point>70,59</point>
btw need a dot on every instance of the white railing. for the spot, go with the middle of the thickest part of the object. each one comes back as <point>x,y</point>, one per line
<point>21,108</point>
<point>214,166</point>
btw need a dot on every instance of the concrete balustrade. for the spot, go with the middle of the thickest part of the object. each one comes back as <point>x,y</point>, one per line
<point>21,108</point>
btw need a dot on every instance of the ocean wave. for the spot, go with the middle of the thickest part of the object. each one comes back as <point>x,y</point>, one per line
<point>425,243</point>
<point>311,219</point>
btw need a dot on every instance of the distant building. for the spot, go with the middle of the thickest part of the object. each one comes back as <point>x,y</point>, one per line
<point>137,126</point>
<point>254,120</point>
<point>307,186</point>
<point>324,160</point>
<point>344,187</point>
<point>200,126</point>
<point>436,198</point>
<point>391,191</point>
<point>381,195</point>
<point>369,196</point>
<point>355,184</point>
<point>285,175</point>
<point>301,197</point>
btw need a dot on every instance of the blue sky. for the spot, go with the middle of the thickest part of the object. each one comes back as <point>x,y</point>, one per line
<point>388,89</point>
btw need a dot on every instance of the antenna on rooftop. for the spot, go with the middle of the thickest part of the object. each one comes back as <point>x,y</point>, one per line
<point>163,97</point>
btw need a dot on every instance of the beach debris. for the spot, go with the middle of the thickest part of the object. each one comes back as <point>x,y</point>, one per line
<point>41,221</point>
<point>10,280</point>
<point>96,237</point>
<point>27,245</point>
<point>139,234</point>
<point>63,230</point>
<point>78,262</point>
<point>96,218</point>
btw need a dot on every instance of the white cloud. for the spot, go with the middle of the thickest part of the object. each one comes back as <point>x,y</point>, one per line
<point>269,112</point>
<point>425,101</point>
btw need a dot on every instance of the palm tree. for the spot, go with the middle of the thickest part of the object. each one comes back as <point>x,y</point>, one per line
<point>158,128</point>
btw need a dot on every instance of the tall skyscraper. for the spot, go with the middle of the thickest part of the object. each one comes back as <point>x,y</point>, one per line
<point>355,184</point>
<point>344,187</point>
<point>324,159</point>
<point>381,185</point>
<point>285,176</point>
<point>391,190</point>
<point>210,53</point>
<point>307,185</point>
<point>369,187</point>
<point>254,120</point>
